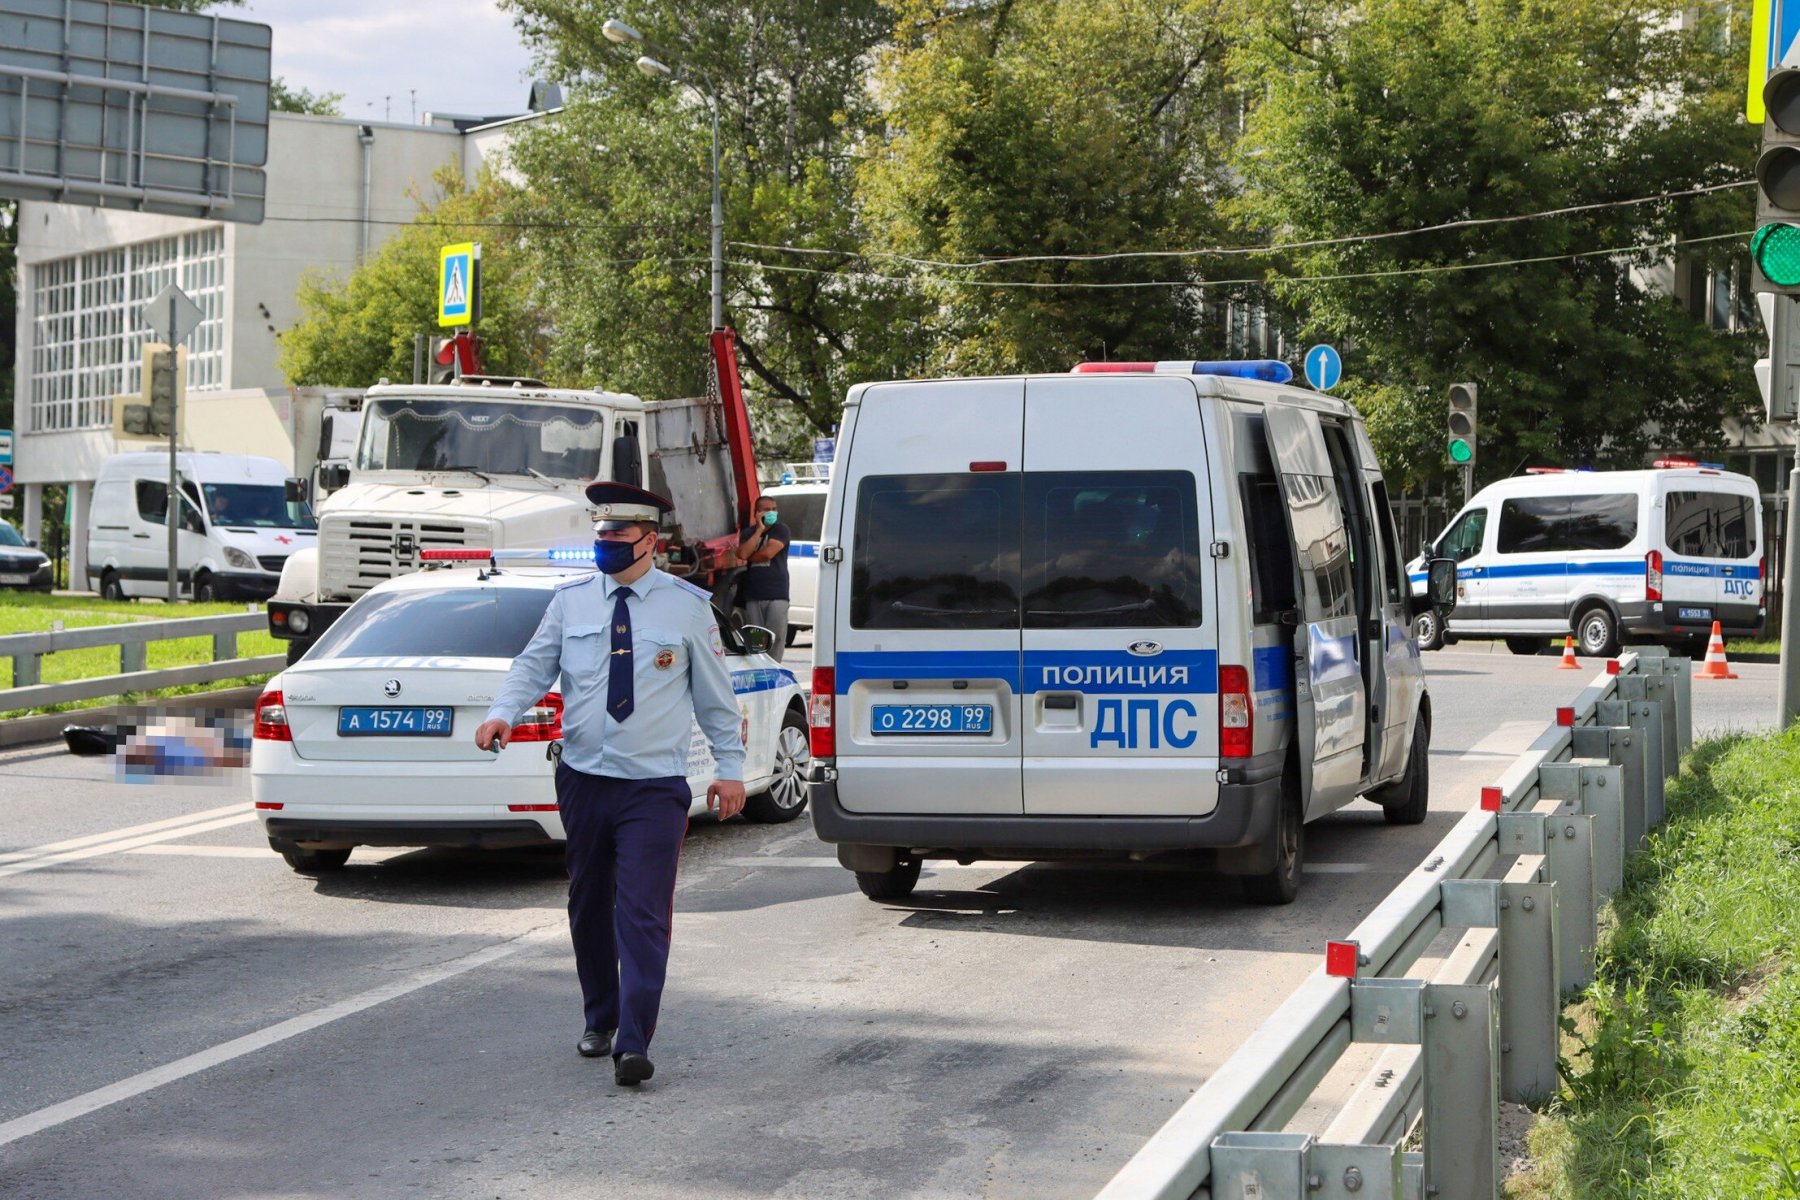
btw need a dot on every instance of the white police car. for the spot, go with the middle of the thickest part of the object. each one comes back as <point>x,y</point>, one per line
<point>369,739</point>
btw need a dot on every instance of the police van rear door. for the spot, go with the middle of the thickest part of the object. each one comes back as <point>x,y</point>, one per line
<point>927,596</point>
<point>1330,693</point>
<point>1120,635</point>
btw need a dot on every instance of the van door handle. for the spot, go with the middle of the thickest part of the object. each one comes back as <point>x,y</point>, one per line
<point>145,536</point>
<point>1062,700</point>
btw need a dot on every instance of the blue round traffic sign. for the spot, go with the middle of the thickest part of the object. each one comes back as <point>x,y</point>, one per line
<point>5,479</point>
<point>1323,368</point>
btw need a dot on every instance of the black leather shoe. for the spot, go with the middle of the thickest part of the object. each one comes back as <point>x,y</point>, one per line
<point>632,1068</point>
<point>594,1044</point>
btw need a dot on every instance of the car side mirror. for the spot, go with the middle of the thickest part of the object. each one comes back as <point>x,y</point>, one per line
<point>757,640</point>
<point>1440,585</point>
<point>333,477</point>
<point>32,542</point>
<point>293,489</point>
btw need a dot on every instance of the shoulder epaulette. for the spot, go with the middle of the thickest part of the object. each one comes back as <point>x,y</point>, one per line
<point>692,589</point>
<point>576,581</point>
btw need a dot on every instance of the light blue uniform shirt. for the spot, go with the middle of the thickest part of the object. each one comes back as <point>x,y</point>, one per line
<point>679,675</point>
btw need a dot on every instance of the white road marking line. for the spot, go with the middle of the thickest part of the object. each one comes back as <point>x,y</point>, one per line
<point>181,1068</point>
<point>210,851</point>
<point>128,831</point>
<point>115,847</point>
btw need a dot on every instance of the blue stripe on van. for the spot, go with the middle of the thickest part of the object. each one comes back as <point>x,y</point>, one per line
<point>803,549</point>
<point>761,679</point>
<point>1714,570</point>
<point>1629,566</point>
<point>1110,672</point>
<point>1273,667</point>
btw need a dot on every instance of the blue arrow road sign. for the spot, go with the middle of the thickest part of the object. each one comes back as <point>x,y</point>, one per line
<point>1323,368</point>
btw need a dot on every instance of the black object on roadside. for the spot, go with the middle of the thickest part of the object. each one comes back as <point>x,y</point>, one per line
<point>90,739</point>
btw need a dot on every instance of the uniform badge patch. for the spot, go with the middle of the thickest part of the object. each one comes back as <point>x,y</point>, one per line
<point>665,659</point>
<point>718,646</point>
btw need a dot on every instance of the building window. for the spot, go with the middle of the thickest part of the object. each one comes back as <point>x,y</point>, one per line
<point>88,332</point>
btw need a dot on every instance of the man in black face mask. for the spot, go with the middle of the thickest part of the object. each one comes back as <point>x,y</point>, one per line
<point>640,658</point>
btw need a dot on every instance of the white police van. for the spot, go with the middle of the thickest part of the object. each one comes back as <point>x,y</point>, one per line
<point>1655,555</point>
<point>800,499</point>
<point>1137,609</point>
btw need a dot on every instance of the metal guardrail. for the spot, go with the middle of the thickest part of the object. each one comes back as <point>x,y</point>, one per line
<point>1521,878</point>
<point>27,652</point>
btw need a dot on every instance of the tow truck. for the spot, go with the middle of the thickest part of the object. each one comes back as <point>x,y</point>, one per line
<point>493,462</point>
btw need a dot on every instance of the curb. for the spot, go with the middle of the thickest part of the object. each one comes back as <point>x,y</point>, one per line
<point>25,731</point>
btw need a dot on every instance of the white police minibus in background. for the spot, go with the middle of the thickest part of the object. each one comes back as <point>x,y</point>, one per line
<point>1611,556</point>
<point>800,499</point>
<point>1141,608</point>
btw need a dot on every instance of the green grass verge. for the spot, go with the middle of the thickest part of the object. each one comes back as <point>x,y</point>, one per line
<point>34,612</point>
<point>1683,1059</point>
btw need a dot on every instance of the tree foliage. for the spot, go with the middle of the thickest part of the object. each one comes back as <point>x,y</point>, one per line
<point>283,98</point>
<point>1384,116</point>
<point>1039,127</point>
<point>355,330</point>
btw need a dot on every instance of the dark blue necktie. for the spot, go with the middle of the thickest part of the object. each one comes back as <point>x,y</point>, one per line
<point>618,674</point>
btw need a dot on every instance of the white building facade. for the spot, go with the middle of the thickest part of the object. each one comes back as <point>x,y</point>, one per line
<point>336,190</point>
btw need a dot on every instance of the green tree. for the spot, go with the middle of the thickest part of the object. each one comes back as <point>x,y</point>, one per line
<point>1034,127</point>
<point>355,330</point>
<point>1384,116</point>
<point>618,200</point>
<point>283,98</point>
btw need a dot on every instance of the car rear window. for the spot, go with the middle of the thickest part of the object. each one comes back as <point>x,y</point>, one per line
<point>1042,550</point>
<point>1555,524</point>
<point>471,622</point>
<point>1710,524</point>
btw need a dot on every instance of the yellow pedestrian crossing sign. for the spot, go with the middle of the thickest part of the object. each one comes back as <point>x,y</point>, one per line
<point>459,284</point>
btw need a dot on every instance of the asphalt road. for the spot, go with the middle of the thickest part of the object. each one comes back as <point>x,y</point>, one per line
<point>181,1015</point>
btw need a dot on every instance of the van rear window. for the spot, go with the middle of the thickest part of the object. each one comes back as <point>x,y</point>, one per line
<point>1042,550</point>
<point>1558,524</point>
<point>1710,524</point>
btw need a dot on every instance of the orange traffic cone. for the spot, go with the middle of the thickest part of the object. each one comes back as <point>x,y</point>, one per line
<point>1715,666</point>
<point>1568,663</point>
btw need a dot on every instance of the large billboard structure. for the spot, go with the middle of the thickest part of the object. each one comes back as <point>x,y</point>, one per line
<point>123,106</point>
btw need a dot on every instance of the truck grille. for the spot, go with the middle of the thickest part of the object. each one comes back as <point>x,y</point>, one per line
<point>356,553</point>
<point>272,562</point>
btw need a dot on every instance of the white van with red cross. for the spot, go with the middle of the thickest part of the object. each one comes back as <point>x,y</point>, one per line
<point>1135,610</point>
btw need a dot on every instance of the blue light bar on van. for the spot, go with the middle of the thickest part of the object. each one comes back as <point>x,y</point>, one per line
<point>1266,369</point>
<point>554,554</point>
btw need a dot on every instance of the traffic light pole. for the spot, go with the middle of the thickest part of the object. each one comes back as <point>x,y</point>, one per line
<point>1789,697</point>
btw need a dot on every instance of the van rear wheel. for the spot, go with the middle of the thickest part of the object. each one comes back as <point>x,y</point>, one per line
<point>1597,634</point>
<point>1525,645</point>
<point>895,883</point>
<point>309,861</point>
<point>1282,882</point>
<point>1406,801</point>
<point>110,587</point>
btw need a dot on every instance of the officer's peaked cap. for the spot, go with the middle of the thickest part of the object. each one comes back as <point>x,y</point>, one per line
<point>616,504</point>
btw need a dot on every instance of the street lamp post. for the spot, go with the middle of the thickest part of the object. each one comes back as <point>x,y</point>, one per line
<point>619,32</point>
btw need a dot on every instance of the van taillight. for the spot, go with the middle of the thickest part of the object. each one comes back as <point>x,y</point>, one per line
<point>821,712</point>
<point>1653,575</point>
<point>542,722</point>
<point>1237,724</point>
<point>271,719</point>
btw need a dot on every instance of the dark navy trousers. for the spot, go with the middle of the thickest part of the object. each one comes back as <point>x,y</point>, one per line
<point>624,841</point>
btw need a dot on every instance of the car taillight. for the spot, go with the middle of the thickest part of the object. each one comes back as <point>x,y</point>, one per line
<point>821,712</point>
<point>542,722</point>
<point>1237,724</point>
<point>271,719</point>
<point>1653,575</point>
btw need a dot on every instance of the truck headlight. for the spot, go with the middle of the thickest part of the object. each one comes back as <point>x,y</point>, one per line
<point>298,621</point>
<point>237,558</point>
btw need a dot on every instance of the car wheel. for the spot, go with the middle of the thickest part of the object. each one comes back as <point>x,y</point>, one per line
<point>110,588</point>
<point>1597,633</point>
<point>786,796</point>
<point>1281,883</point>
<point>895,883</point>
<point>205,590</point>
<point>1529,646</point>
<point>1406,801</point>
<point>1428,629</point>
<point>295,649</point>
<point>314,862</point>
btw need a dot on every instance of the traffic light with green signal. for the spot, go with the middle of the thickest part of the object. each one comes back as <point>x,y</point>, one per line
<point>1775,246</point>
<point>1461,444</point>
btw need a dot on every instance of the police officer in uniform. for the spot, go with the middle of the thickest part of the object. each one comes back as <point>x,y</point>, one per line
<point>639,654</point>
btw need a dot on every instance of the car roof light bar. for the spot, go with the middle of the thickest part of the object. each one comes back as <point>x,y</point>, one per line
<point>1268,370</point>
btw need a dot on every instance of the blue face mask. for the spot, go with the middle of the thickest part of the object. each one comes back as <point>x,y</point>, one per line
<point>769,517</point>
<point>614,557</point>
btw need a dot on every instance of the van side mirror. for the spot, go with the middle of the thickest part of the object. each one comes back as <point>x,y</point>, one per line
<point>627,461</point>
<point>333,477</point>
<point>757,640</point>
<point>1440,585</point>
<point>293,490</point>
